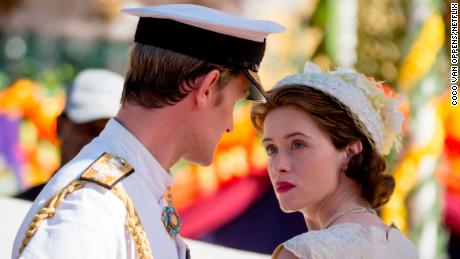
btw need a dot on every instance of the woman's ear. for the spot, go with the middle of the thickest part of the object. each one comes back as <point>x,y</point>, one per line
<point>353,148</point>
<point>205,88</point>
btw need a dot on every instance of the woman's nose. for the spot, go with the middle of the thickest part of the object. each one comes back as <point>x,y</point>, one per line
<point>281,163</point>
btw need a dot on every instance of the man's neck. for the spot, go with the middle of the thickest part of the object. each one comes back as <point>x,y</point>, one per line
<point>159,130</point>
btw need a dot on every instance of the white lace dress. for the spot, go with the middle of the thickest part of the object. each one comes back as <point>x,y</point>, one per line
<point>350,240</point>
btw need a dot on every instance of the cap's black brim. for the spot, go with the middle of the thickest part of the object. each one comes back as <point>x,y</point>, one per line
<point>256,92</point>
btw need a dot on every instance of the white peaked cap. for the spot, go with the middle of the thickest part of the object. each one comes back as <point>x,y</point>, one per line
<point>210,19</point>
<point>207,34</point>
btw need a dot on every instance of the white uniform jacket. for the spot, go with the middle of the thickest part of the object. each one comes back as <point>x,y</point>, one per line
<point>89,223</point>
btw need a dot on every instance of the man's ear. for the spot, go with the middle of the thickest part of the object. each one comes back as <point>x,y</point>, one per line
<point>205,88</point>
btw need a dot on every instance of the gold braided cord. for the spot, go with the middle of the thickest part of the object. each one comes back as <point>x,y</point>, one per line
<point>134,225</point>
<point>48,210</point>
<point>132,221</point>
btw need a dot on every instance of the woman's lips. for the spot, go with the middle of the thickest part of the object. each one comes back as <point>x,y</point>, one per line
<point>284,187</point>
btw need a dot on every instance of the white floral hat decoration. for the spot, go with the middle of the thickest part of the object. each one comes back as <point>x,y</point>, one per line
<point>373,111</point>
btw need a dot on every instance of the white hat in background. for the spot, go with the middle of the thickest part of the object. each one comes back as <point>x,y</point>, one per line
<point>94,94</point>
<point>207,34</point>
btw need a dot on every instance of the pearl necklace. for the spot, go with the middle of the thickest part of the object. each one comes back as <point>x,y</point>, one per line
<point>348,211</point>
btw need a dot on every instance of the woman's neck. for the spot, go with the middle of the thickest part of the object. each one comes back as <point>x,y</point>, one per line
<point>344,198</point>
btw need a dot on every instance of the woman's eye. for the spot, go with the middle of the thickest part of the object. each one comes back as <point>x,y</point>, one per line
<point>270,149</point>
<point>298,145</point>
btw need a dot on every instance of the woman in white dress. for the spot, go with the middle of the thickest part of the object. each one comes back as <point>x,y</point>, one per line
<point>326,134</point>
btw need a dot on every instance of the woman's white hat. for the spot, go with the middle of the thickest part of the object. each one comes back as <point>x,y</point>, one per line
<point>373,111</point>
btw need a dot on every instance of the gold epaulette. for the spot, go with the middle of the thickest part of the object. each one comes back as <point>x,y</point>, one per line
<point>107,171</point>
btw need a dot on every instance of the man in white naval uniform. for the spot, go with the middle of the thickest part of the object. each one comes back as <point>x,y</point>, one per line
<point>187,68</point>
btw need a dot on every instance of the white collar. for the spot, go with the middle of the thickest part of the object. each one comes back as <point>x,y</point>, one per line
<point>146,167</point>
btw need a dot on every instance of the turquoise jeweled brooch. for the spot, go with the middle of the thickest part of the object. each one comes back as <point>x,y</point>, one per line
<point>170,217</point>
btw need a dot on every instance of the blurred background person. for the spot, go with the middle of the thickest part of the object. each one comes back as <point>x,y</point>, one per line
<point>91,100</point>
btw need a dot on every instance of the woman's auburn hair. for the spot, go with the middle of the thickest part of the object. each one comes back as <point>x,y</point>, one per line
<point>367,168</point>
